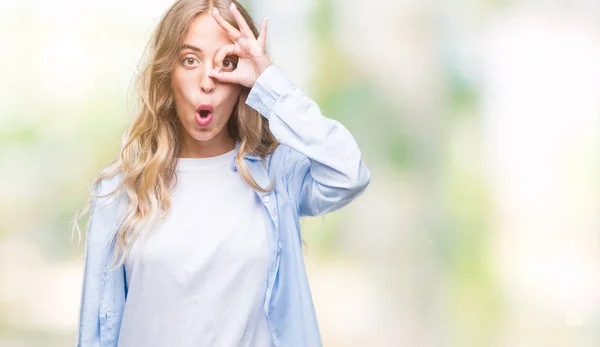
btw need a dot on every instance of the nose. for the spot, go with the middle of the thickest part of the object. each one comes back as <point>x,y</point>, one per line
<point>207,83</point>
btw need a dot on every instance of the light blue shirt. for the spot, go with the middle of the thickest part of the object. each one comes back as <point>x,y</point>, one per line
<point>317,169</point>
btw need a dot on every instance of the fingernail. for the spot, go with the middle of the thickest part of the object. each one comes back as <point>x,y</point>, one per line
<point>215,11</point>
<point>233,5</point>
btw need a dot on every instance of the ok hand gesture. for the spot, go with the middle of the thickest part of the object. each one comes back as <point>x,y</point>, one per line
<point>250,51</point>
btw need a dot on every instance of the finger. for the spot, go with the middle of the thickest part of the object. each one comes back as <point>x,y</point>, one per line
<point>262,38</point>
<point>222,53</point>
<point>226,77</point>
<point>244,28</point>
<point>233,33</point>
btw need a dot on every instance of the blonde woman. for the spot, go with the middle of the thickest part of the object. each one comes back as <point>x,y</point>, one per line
<point>193,237</point>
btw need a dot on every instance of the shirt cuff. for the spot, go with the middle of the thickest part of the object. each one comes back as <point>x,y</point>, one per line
<point>268,88</point>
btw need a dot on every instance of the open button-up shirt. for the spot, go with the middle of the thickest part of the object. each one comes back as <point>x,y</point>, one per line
<point>317,168</point>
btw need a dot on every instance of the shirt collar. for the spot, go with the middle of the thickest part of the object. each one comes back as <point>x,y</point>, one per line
<point>248,156</point>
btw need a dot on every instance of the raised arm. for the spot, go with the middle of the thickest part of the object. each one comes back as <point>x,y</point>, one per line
<point>324,162</point>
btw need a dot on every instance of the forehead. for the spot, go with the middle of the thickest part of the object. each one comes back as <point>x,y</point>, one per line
<point>206,34</point>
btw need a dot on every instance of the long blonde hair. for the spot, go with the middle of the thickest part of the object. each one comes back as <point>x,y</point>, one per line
<point>151,144</point>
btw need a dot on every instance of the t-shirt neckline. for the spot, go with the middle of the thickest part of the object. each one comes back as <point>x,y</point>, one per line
<point>195,164</point>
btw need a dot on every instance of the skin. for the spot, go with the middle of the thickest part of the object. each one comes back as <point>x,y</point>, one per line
<point>229,59</point>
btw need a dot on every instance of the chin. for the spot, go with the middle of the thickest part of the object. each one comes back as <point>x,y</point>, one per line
<point>203,135</point>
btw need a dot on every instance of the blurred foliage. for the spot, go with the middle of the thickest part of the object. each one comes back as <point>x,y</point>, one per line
<point>346,94</point>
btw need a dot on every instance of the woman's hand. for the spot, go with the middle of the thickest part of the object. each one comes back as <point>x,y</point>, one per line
<point>250,51</point>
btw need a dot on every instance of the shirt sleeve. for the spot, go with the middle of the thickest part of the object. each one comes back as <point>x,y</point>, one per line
<point>326,170</point>
<point>88,333</point>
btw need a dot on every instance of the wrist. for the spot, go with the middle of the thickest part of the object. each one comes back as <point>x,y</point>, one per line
<point>262,65</point>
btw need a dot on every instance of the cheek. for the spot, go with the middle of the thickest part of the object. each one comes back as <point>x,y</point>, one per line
<point>176,86</point>
<point>232,93</point>
<point>182,85</point>
<point>180,82</point>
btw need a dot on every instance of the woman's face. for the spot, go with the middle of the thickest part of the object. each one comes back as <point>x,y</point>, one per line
<point>192,88</point>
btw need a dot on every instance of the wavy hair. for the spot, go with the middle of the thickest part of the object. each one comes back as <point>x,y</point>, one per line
<point>152,142</point>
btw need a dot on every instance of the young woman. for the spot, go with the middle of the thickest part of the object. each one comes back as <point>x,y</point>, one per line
<point>193,237</point>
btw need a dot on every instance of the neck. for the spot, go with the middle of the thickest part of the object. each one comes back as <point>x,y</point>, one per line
<point>205,149</point>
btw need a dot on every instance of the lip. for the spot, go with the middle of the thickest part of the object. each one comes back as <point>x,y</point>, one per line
<point>204,107</point>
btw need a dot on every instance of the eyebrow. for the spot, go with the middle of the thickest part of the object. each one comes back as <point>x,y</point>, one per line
<point>193,48</point>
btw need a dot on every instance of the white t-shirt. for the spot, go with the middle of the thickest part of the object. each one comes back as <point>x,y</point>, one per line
<point>199,278</point>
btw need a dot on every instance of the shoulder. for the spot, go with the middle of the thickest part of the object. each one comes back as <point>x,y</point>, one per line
<point>105,187</point>
<point>104,211</point>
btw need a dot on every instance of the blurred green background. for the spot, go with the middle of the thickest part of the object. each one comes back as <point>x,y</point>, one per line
<point>479,121</point>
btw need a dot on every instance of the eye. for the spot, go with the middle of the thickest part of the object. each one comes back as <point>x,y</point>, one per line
<point>189,60</point>
<point>229,64</point>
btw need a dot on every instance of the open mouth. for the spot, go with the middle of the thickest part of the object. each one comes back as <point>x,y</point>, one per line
<point>204,114</point>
